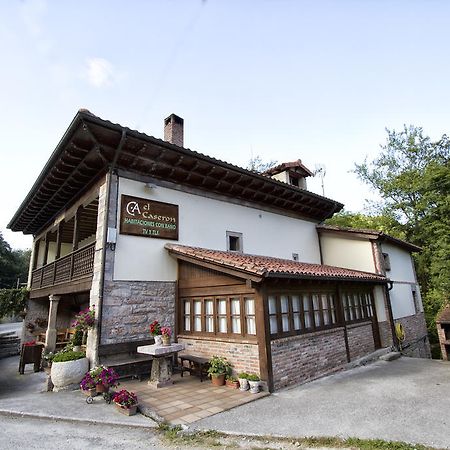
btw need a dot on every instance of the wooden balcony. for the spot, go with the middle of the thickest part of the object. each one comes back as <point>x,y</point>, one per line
<point>69,274</point>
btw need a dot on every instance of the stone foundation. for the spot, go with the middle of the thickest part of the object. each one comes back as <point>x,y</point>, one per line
<point>415,329</point>
<point>130,306</point>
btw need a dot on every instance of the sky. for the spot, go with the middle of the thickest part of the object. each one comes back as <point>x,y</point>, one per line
<point>284,79</point>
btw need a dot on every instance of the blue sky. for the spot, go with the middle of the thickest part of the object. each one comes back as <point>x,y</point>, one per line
<point>316,80</point>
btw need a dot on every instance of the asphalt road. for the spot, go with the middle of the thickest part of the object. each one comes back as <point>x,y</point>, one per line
<point>404,400</point>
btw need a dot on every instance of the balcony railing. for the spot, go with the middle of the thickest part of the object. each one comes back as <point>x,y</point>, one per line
<point>76,265</point>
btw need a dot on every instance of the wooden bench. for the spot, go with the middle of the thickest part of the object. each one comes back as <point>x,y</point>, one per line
<point>196,365</point>
<point>125,359</point>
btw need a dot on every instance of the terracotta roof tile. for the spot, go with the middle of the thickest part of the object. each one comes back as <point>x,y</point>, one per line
<point>266,266</point>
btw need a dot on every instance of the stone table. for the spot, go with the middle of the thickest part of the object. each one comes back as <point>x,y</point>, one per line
<point>161,374</point>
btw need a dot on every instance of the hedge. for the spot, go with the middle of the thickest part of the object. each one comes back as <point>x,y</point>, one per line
<point>12,301</point>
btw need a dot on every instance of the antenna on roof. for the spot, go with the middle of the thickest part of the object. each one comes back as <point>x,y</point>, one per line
<point>321,170</point>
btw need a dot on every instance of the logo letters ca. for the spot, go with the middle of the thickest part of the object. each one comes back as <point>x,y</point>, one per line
<point>133,208</point>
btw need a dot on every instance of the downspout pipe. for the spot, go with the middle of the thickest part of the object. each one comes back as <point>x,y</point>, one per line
<point>105,236</point>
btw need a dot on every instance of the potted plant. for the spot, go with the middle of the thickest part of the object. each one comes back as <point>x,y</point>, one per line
<point>232,382</point>
<point>77,339</point>
<point>243,381</point>
<point>84,320</point>
<point>104,378</point>
<point>155,331</point>
<point>218,368</point>
<point>68,369</point>
<point>87,385</point>
<point>126,402</point>
<point>166,332</point>
<point>253,381</point>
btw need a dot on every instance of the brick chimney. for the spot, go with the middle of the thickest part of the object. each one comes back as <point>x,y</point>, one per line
<point>173,130</point>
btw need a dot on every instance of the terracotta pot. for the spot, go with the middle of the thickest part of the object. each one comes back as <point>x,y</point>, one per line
<point>127,411</point>
<point>101,388</point>
<point>218,380</point>
<point>166,340</point>
<point>232,384</point>
<point>90,392</point>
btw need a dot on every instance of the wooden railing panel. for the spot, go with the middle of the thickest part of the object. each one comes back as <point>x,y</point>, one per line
<point>75,265</point>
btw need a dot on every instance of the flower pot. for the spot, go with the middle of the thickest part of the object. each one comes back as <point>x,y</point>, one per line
<point>254,386</point>
<point>77,348</point>
<point>89,392</point>
<point>165,340</point>
<point>243,384</point>
<point>68,373</point>
<point>158,339</point>
<point>126,410</point>
<point>232,384</point>
<point>101,388</point>
<point>218,379</point>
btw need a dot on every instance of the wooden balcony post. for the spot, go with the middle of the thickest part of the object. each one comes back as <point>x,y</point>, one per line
<point>36,246</point>
<point>50,335</point>
<point>47,242</point>
<point>76,229</point>
<point>59,239</point>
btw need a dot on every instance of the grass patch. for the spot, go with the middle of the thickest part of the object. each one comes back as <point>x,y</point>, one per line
<point>210,439</point>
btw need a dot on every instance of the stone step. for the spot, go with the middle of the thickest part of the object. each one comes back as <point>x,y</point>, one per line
<point>391,356</point>
<point>9,339</point>
<point>7,334</point>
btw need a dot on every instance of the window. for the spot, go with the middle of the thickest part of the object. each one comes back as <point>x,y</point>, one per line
<point>357,306</point>
<point>219,315</point>
<point>234,242</point>
<point>302,312</point>
<point>295,256</point>
<point>387,262</point>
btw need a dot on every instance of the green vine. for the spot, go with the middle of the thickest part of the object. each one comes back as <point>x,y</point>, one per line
<point>12,301</point>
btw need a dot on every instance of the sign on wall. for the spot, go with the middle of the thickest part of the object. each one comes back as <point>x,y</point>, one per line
<point>143,217</point>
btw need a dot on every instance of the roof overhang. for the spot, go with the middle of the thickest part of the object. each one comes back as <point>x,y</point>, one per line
<point>91,146</point>
<point>374,235</point>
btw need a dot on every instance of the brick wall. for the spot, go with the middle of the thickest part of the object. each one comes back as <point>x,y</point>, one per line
<point>442,339</point>
<point>415,328</point>
<point>305,357</point>
<point>360,340</point>
<point>385,334</point>
<point>243,356</point>
<point>130,306</point>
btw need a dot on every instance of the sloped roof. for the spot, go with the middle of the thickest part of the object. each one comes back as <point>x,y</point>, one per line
<point>91,146</point>
<point>269,267</point>
<point>444,315</point>
<point>370,234</point>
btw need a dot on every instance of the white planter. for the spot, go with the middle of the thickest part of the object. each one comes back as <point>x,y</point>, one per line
<point>243,384</point>
<point>158,339</point>
<point>254,386</point>
<point>68,374</point>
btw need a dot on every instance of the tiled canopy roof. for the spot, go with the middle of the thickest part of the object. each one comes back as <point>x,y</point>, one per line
<point>266,266</point>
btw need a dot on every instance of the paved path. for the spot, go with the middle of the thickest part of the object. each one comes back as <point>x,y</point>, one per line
<point>403,400</point>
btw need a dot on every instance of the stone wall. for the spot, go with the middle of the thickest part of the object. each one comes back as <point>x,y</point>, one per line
<point>385,334</point>
<point>416,343</point>
<point>305,357</point>
<point>130,306</point>
<point>360,340</point>
<point>243,356</point>
<point>442,339</point>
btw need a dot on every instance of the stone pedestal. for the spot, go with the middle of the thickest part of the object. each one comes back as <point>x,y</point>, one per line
<point>161,374</point>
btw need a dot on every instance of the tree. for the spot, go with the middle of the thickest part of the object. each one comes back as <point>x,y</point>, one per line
<point>257,164</point>
<point>13,265</point>
<point>412,175</point>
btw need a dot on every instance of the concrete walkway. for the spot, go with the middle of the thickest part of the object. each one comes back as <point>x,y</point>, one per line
<point>22,395</point>
<point>403,400</point>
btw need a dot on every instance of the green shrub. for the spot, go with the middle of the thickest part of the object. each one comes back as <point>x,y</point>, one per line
<point>77,338</point>
<point>68,356</point>
<point>253,377</point>
<point>12,301</point>
<point>218,366</point>
<point>243,375</point>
